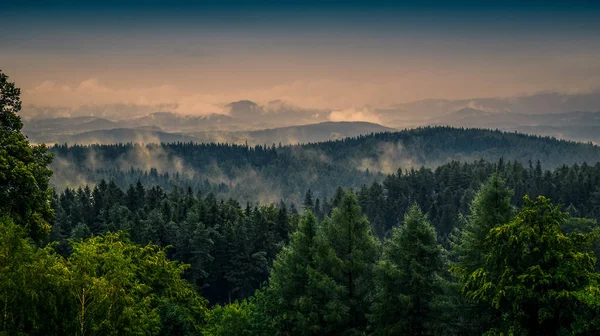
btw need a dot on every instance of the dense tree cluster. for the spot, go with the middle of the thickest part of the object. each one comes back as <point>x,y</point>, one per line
<point>447,191</point>
<point>229,247</point>
<point>528,275</point>
<point>260,173</point>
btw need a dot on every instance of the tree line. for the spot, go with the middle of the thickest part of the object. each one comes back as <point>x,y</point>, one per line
<point>268,173</point>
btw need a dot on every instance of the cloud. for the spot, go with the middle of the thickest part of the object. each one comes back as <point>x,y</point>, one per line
<point>353,114</point>
<point>93,97</point>
<point>310,94</point>
<point>389,157</point>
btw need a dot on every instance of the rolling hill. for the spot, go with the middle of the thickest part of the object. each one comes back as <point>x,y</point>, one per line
<point>151,129</point>
<point>272,173</point>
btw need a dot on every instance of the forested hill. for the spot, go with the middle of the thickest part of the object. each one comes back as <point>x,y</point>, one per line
<point>271,173</point>
<point>433,146</point>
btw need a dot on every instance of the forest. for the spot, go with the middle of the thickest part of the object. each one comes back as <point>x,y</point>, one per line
<point>272,172</point>
<point>497,245</point>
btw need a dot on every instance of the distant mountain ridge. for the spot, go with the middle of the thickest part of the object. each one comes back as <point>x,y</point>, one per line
<point>287,172</point>
<point>566,116</point>
<point>577,126</point>
<point>126,135</point>
<point>146,132</point>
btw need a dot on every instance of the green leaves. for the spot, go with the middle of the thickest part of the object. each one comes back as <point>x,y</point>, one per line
<point>24,175</point>
<point>108,286</point>
<point>538,277</point>
<point>408,279</point>
<point>322,281</point>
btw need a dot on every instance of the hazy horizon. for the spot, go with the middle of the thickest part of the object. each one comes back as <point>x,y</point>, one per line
<point>352,58</point>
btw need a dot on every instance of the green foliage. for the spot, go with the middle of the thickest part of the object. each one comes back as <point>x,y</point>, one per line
<point>229,250</point>
<point>31,285</point>
<point>408,279</point>
<point>540,279</point>
<point>24,174</point>
<point>321,282</point>
<point>289,278</point>
<point>118,287</point>
<point>231,319</point>
<point>243,318</point>
<point>490,208</point>
<point>108,286</point>
<point>341,283</point>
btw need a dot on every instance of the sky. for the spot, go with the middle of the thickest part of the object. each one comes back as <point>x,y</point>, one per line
<point>194,57</point>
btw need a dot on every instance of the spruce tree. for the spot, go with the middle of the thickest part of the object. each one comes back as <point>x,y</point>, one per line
<point>539,279</point>
<point>308,203</point>
<point>407,279</point>
<point>289,278</point>
<point>490,208</point>
<point>343,276</point>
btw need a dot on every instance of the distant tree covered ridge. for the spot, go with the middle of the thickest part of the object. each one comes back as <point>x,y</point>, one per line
<point>270,173</point>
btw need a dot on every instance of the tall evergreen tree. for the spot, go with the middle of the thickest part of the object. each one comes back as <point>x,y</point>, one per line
<point>193,244</point>
<point>343,274</point>
<point>541,280</point>
<point>490,208</point>
<point>292,305</point>
<point>408,279</point>
<point>309,203</point>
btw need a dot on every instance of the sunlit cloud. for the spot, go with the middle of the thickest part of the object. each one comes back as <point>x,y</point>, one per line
<point>353,114</point>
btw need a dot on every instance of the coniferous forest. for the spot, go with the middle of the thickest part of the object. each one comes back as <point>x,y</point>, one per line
<point>479,242</point>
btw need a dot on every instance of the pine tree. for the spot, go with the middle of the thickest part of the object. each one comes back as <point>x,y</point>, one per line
<point>490,208</point>
<point>282,222</point>
<point>343,276</point>
<point>193,245</point>
<point>541,280</point>
<point>289,278</point>
<point>408,279</point>
<point>308,203</point>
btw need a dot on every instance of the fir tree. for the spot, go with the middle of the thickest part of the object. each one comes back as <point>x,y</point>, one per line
<point>490,208</point>
<point>408,279</point>
<point>343,276</point>
<point>541,280</point>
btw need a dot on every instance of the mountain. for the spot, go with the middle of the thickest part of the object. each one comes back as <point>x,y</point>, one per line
<point>576,126</point>
<point>244,110</point>
<point>49,130</point>
<point>544,103</point>
<point>324,131</point>
<point>276,113</point>
<point>125,135</point>
<point>173,122</point>
<point>67,124</point>
<point>463,115</point>
<point>320,132</point>
<point>161,127</point>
